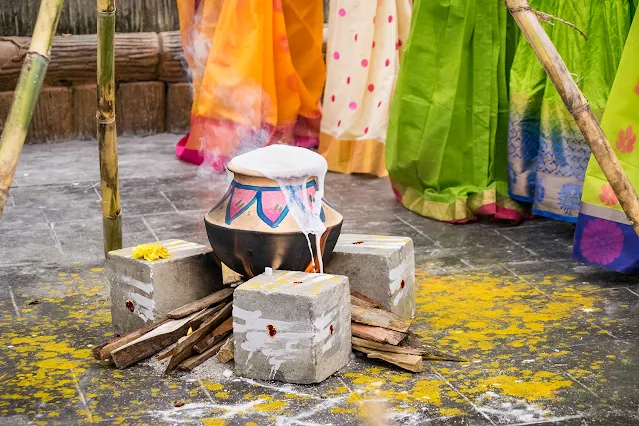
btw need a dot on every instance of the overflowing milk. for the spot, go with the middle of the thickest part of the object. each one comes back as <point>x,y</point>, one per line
<point>291,167</point>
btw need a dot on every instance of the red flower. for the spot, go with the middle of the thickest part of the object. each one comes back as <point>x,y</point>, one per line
<point>626,140</point>
<point>607,195</point>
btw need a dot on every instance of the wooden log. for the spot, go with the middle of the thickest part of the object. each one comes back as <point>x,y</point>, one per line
<point>141,108</point>
<point>103,352</point>
<point>74,59</point>
<point>194,361</point>
<point>217,297</point>
<point>377,334</point>
<point>52,115</point>
<point>173,67</point>
<point>227,351</point>
<point>407,362</point>
<point>84,97</point>
<point>184,350</point>
<point>379,318</point>
<point>151,343</point>
<point>358,299</point>
<point>78,16</point>
<point>578,107</point>
<point>179,100</point>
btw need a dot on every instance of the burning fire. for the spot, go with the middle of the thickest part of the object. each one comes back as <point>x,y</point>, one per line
<point>188,333</point>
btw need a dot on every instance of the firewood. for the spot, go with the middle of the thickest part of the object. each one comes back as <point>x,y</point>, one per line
<point>194,361</point>
<point>103,352</point>
<point>358,299</point>
<point>215,336</point>
<point>379,318</point>
<point>407,362</point>
<point>151,342</point>
<point>198,305</point>
<point>426,351</point>
<point>165,355</point>
<point>377,334</point>
<point>185,349</point>
<point>227,351</point>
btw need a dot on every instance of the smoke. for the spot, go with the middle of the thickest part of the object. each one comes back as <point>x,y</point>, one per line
<point>231,114</point>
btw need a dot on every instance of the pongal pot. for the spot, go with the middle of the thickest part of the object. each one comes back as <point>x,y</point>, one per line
<point>251,228</point>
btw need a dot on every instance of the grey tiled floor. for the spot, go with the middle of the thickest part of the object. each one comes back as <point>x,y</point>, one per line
<point>547,340</point>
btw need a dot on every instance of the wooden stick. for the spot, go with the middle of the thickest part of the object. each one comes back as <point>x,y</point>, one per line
<point>194,361</point>
<point>407,350</point>
<point>26,94</point>
<point>184,350</point>
<point>107,135</point>
<point>408,362</point>
<point>377,334</point>
<point>358,299</point>
<point>200,304</point>
<point>215,336</point>
<point>578,106</point>
<point>151,342</point>
<point>227,351</point>
<point>103,352</point>
<point>379,318</point>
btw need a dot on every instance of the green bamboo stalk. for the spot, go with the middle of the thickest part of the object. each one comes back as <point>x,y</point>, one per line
<point>26,94</point>
<point>107,135</point>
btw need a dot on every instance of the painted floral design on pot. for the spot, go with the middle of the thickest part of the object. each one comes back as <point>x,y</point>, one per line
<point>251,228</point>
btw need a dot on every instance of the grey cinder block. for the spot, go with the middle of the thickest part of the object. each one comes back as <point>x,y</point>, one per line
<point>292,327</point>
<point>143,292</point>
<point>379,267</point>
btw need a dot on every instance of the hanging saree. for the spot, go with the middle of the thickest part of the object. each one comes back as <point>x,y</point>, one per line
<point>365,39</point>
<point>604,236</point>
<point>447,134</point>
<point>258,74</point>
<point>547,154</point>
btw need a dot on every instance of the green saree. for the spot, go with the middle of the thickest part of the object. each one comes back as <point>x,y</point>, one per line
<point>446,147</point>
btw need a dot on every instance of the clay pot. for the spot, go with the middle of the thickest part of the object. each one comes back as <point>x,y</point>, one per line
<point>251,228</point>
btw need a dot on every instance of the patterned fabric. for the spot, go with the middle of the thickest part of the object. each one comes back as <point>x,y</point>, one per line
<point>365,39</point>
<point>272,208</point>
<point>604,236</point>
<point>258,75</point>
<point>448,128</point>
<point>547,155</point>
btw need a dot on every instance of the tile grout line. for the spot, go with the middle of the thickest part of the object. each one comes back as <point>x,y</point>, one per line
<point>553,420</point>
<point>484,415</point>
<point>81,394</point>
<point>636,294</point>
<point>578,382</point>
<point>56,241</point>
<point>170,202</point>
<point>206,391</point>
<point>13,302</point>
<point>419,231</point>
<point>515,242</point>
<point>149,228</point>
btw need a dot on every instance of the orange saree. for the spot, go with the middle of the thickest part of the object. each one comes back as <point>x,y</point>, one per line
<point>258,75</point>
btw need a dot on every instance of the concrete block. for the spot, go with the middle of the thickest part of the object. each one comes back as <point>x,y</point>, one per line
<point>144,292</point>
<point>292,327</point>
<point>379,267</point>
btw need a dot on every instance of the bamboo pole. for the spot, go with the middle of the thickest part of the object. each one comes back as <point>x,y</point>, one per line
<point>578,106</point>
<point>26,94</point>
<point>107,136</point>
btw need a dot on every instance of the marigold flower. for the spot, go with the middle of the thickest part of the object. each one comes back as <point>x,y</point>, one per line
<point>150,252</point>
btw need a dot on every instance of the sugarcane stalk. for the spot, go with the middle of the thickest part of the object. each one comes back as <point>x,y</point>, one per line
<point>26,94</point>
<point>107,135</point>
<point>577,105</point>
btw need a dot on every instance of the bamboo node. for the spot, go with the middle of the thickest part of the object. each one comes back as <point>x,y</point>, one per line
<point>107,12</point>
<point>106,120</point>
<point>579,109</point>
<point>546,17</point>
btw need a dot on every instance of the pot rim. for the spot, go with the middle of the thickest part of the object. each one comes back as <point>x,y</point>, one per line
<point>245,172</point>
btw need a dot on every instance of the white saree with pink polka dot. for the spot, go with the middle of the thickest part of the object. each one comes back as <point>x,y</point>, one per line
<point>365,39</point>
